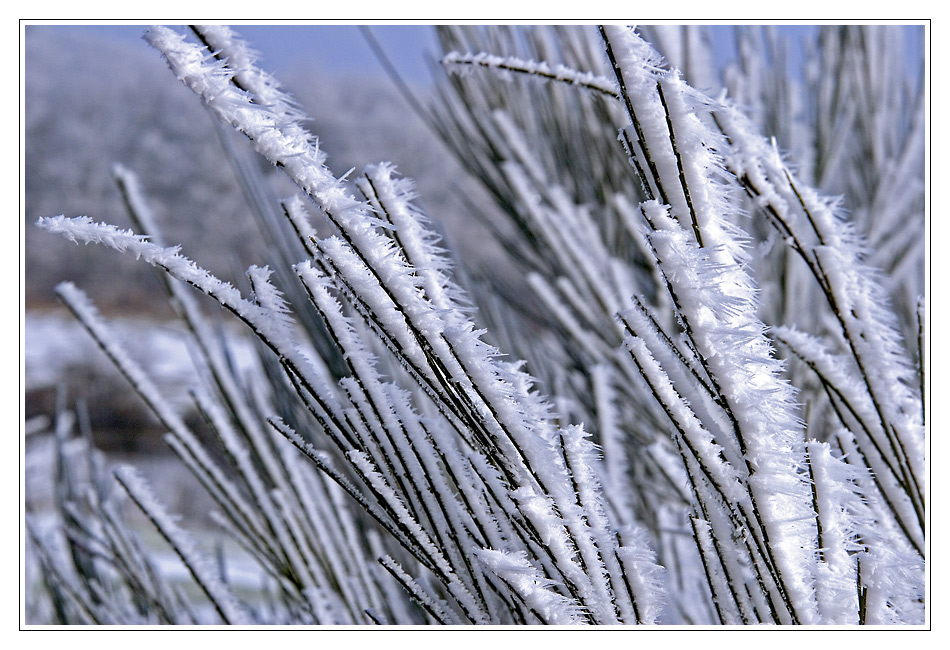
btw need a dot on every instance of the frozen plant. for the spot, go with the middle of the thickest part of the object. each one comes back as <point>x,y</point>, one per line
<point>386,464</point>
<point>589,237</point>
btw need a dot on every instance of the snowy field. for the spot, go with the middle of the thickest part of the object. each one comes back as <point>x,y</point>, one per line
<point>56,342</point>
<point>59,353</point>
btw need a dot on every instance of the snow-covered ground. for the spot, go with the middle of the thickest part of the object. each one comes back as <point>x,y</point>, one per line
<point>55,343</point>
<point>58,350</point>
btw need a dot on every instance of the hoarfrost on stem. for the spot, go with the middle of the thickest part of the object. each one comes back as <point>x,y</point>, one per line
<point>421,446</point>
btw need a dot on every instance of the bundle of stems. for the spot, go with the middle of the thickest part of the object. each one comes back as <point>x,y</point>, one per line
<point>383,463</point>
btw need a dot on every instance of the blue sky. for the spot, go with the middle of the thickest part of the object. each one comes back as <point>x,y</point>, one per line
<point>341,48</point>
<point>338,48</point>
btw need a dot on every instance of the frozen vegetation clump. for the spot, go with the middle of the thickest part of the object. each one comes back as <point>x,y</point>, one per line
<point>720,415</point>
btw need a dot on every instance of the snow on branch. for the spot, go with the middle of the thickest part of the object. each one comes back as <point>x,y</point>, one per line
<point>459,63</point>
<point>877,383</point>
<point>699,250</point>
<point>184,545</point>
